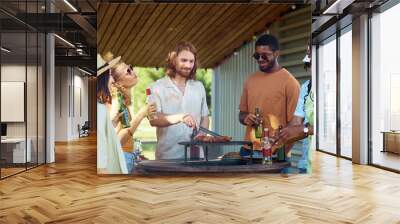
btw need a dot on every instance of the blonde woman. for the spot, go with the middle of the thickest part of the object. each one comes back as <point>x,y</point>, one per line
<point>125,79</point>
<point>111,137</point>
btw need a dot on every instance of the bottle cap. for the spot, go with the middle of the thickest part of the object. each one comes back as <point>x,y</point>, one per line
<point>148,92</point>
<point>266,133</point>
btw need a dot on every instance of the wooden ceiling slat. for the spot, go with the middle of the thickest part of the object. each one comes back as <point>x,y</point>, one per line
<point>223,19</point>
<point>147,19</point>
<point>127,34</point>
<point>178,28</point>
<point>213,19</point>
<point>193,12</point>
<point>101,9</point>
<point>106,16</point>
<point>158,27</point>
<point>250,13</point>
<point>223,30</point>
<point>200,26</point>
<point>131,33</point>
<point>201,30</point>
<point>110,31</point>
<point>101,14</point>
<point>230,44</point>
<point>110,44</point>
<point>109,14</point>
<point>258,24</point>
<point>174,28</point>
<point>145,33</point>
<point>162,34</point>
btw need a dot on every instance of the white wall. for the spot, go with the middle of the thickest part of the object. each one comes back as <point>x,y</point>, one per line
<point>61,104</point>
<point>71,102</point>
<point>12,73</point>
<point>80,101</point>
<point>16,73</point>
<point>33,127</point>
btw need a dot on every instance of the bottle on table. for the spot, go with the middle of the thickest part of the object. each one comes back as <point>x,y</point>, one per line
<point>258,128</point>
<point>150,100</point>
<point>281,150</point>
<point>123,109</point>
<point>266,148</point>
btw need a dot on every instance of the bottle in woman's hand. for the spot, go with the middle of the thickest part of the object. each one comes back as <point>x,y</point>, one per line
<point>151,103</point>
<point>124,110</point>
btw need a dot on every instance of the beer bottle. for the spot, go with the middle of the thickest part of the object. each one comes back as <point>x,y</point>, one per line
<point>258,126</point>
<point>281,151</point>
<point>123,109</point>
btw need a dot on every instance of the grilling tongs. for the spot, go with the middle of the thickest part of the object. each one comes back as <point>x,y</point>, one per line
<point>205,130</point>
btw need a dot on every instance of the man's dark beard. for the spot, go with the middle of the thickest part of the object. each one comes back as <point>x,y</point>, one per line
<point>269,68</point>
<point>266,69</point>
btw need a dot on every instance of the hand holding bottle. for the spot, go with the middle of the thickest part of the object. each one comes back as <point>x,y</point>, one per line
<point>148,110</point>
<point>276,144</point>
<point>250,120</point>
<point>152,111</point>
<point>152,104</point>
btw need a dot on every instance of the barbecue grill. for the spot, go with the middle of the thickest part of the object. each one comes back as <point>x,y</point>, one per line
<point>205,145</point>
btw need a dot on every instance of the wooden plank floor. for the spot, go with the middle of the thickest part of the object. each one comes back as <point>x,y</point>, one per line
<point>69,191</point>
<point>387,159</point>
<point>10,171</point>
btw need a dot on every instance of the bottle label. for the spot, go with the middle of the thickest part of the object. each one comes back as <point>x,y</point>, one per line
<point>123,109</point>
<point>125,118</point>
<point>258,131</point>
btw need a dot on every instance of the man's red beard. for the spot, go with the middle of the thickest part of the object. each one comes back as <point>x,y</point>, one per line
<point>184,72</point>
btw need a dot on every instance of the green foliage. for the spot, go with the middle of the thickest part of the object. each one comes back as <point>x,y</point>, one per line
<point>205,76</point>
<point>146,77</point>
<point>150,75</point>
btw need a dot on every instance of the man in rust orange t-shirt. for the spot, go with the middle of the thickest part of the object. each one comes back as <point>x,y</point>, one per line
<point>272,89</point>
